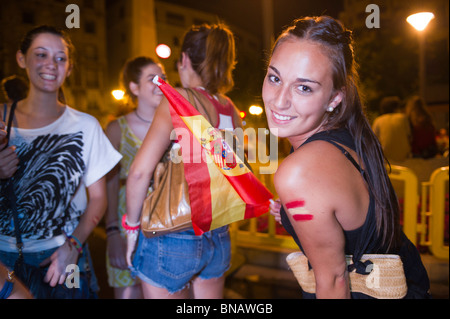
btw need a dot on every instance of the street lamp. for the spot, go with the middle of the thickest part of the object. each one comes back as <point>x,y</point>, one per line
<point>163,51</point>
<point>118,94</point>
<point>420,21</point>
<point>255,110</point>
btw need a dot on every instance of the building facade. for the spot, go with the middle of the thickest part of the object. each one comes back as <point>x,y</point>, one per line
<point>85,87</point>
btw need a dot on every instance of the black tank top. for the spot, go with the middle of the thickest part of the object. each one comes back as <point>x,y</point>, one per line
<point>364,240</point>
<point>354,239</point>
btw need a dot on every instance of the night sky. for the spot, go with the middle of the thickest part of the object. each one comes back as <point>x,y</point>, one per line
<point>247,14</point>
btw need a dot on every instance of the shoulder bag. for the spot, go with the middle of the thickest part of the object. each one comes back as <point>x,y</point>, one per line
<point>167,208</point>
<point>384,277</point>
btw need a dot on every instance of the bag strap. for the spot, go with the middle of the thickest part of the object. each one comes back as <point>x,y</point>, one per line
<point>5,109</point>
<point>11,195</point>
<point>9,124</point>
<point>193,97</point>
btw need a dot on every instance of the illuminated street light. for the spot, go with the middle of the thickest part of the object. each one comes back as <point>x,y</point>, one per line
<point>420,20</point>
<point>163,51</point>
<point>255,110</point>
<point>118,94</point>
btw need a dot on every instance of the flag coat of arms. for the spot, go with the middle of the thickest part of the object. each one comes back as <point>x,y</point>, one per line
<point>222,190</point>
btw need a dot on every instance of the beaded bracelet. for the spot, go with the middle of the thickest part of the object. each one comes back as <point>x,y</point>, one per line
<point>129,228</point>
<point>75,242</point>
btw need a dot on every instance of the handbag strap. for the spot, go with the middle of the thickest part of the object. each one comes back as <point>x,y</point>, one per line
<point>11,195</point>
<point>193,97</point>
<point>9,124</point>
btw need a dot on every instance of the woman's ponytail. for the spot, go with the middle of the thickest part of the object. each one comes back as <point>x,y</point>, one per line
<point>211,50</point>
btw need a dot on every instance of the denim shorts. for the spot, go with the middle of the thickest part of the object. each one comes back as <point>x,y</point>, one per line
<point>171,261</point>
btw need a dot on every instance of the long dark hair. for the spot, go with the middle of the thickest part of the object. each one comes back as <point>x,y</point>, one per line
<point>337,43</point>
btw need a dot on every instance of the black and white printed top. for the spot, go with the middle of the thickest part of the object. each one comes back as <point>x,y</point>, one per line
<point>56,165</point>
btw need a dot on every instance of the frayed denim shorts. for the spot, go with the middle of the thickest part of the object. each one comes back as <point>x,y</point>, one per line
<point>172,261</point>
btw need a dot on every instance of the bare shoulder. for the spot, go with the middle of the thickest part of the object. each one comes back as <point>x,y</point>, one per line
<point>312,161</point>
<point>113,132</point>
<point>316,171</point>
<point>307,189</point>
<point>320,173</point>
<point>113,126</point>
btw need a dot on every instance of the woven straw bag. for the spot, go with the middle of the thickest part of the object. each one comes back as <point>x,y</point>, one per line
<point>385,281</point>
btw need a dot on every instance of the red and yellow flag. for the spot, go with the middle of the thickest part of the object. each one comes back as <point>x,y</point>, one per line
<point>222,189</point>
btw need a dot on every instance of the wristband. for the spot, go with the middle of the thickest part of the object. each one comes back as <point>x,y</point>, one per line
<point>129,228</point>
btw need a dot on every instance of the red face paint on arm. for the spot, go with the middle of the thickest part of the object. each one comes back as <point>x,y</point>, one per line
<point>298,211</point>
<point>295,204</point>
<point>302,217</point>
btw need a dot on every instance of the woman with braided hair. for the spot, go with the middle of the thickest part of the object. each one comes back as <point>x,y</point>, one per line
<point>336,195</point>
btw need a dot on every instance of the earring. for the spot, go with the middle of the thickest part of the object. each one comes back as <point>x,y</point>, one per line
<point>330,109</point>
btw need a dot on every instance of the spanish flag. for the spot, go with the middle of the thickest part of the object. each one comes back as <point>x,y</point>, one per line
<point>222,190</point>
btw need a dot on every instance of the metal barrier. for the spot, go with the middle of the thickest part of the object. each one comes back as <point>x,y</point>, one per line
<point>246,234</point>
<point>433,219</point>
<point>410,194</point>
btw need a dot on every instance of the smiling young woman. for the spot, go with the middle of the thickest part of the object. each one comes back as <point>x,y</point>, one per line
<point>336,194</point>
<point>126,134</point>
<point>298,90</point>
<point>59,153</point>
<point>46,58</point>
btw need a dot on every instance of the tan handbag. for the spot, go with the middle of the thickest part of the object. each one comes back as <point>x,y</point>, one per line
<point>385,281</point>
<point>167,209</point>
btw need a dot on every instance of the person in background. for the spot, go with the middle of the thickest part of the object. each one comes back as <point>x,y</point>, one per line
<point>126,134</point>
<point>442,141</point>
<point>393,130</point>
<point>336,195</point>
<point>423,143</point>
<point>182,265</point>
<point>60,159</point>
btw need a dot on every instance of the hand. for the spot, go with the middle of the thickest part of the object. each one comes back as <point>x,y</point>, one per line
<point>117,250</point>
<point>65,255</point>
<point>8,161</point>
<point>131,245</point>
<point>275,207</point>
<point>8,156</point>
